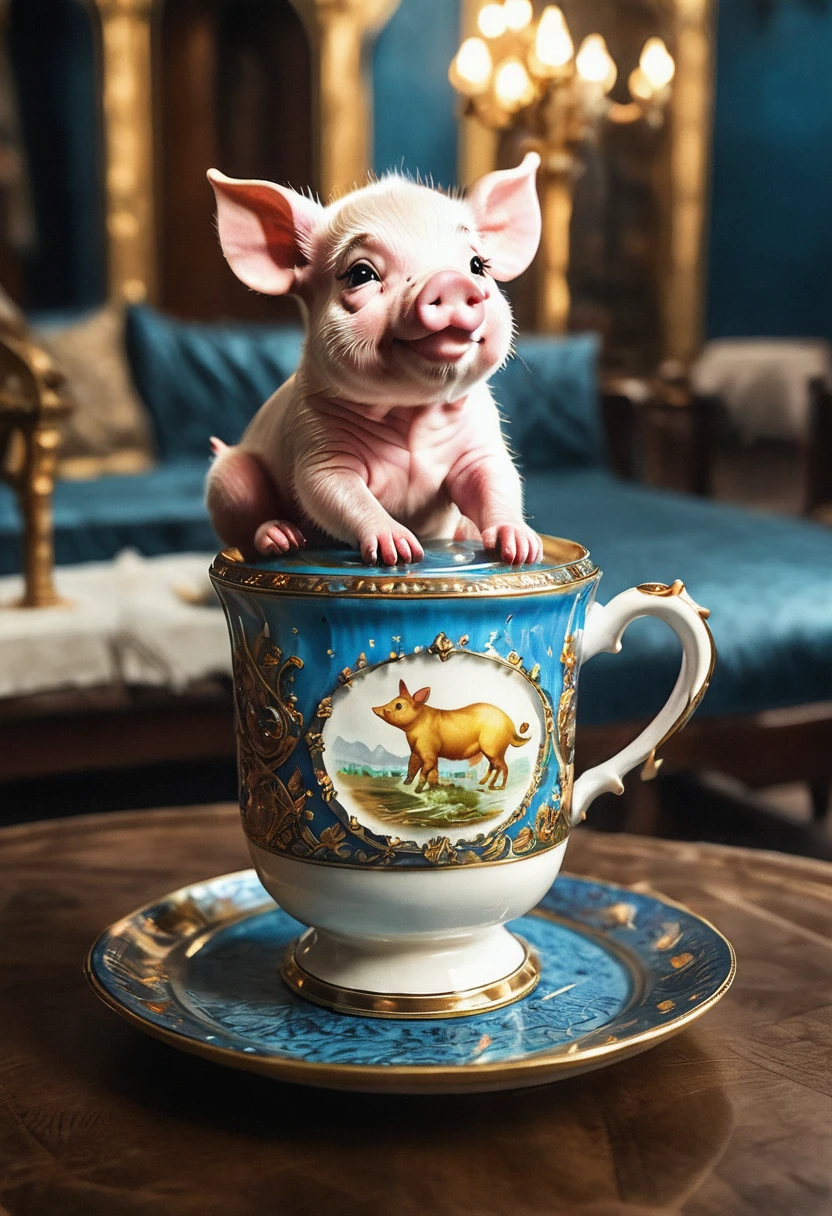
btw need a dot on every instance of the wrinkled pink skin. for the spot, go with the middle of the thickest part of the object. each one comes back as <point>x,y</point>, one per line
<point>387,435</point>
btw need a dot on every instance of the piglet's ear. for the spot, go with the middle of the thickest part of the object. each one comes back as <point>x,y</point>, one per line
<point>421,696</point>
<point>403,689</point>
<point>508,217</point>
<point>265,231</point>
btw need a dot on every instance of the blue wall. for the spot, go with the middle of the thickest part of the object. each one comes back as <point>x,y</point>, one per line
<point>415,106</point>
<point>770,268</point>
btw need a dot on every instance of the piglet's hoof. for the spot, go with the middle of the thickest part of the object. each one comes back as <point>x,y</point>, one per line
<point>278,536</point>
<point>389,546</point>
<point>516,543</point>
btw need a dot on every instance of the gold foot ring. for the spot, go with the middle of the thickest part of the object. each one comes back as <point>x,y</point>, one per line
<point>517,984</point>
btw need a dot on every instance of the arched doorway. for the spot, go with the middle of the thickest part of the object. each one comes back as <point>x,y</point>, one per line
<point>234,90</point>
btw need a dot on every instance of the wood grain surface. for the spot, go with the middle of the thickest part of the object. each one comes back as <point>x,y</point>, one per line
<point>732,1116</point>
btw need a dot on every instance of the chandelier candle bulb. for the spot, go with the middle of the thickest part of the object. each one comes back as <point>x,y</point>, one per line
<point>594,62</point>
<point>518,13</point>
<point>639,85</point>
<point>657,64</point>
<point>513,85</point>
<point>553,47</point>
<point>491,21</point>
<point>471,69</point>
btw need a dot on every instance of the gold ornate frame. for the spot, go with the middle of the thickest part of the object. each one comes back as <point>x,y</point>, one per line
<point>552,823</point>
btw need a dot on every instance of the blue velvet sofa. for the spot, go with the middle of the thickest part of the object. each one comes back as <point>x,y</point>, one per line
<point>767,580</point>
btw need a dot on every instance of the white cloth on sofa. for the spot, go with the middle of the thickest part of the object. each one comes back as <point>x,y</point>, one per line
<point>763,382</point>
<point>130,621</point>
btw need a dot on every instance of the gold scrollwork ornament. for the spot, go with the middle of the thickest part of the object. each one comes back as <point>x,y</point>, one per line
<point>269,725</point>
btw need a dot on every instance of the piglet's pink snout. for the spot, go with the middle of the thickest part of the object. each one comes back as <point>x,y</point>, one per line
<point>450,299</point>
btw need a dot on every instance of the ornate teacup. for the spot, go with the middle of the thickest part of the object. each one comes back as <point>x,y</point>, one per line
<point>405,743</point>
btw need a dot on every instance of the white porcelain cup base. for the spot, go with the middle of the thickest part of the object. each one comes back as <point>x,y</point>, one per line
<point>447,977</point>
<point>410,966</point>
<point>408,942</point>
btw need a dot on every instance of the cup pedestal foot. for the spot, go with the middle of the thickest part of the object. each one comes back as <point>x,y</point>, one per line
<point>421,978</point>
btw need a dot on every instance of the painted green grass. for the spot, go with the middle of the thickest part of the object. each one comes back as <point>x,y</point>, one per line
<point>447,805</point>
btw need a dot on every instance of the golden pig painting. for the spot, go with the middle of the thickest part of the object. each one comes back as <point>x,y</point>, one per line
<point>432,745</point>
<point>472,733</point>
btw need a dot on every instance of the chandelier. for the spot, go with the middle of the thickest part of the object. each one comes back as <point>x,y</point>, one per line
<point>523,72</point>
<point>521,65</point>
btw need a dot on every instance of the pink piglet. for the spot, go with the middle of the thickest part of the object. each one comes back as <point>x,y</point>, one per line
<point>387,435</point>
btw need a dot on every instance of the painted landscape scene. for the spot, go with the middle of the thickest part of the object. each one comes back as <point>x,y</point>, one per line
<point>375,777</point>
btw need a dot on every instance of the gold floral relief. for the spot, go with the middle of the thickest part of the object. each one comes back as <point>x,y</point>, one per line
<point>566,718</point>
<point>275,813</point>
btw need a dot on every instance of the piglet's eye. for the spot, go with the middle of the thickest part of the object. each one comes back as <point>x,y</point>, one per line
<point>478,266</point>
<point>359,274</point>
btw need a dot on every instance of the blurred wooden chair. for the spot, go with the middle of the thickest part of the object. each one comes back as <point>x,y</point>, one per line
<point>33,400</point>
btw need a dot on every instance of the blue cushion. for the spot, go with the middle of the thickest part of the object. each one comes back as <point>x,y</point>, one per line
<point>767,580</point>
<point>548,397</point>
<point>199,380</point>
<point>157,512</point>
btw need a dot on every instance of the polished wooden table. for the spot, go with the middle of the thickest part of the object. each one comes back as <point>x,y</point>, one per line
<point>734,1115</point>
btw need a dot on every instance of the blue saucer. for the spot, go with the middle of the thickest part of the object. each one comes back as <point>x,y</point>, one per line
<point>621,970</point>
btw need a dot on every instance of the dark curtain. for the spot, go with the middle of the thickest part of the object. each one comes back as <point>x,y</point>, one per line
<point>54,59</point>
<point>235,93</point>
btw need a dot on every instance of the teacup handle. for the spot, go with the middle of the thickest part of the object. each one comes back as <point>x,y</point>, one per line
<point>603,630</point>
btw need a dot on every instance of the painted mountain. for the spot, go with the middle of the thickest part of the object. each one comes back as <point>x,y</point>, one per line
<point>341,752</point>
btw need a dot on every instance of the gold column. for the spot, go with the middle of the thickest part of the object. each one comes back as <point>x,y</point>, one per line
<point>554,185</point>
<point>128,132</point>
<point>477,149</point>
<point>691,119</point>
<point>342,33</point>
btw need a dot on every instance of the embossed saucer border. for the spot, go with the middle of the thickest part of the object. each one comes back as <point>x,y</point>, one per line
<point>422,1078</point>
<point>230,567</point>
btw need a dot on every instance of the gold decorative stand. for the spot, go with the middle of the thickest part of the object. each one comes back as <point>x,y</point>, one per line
<point>33,400</point>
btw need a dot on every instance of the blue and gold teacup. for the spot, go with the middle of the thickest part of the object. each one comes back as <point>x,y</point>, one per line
<point>406,742</point>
